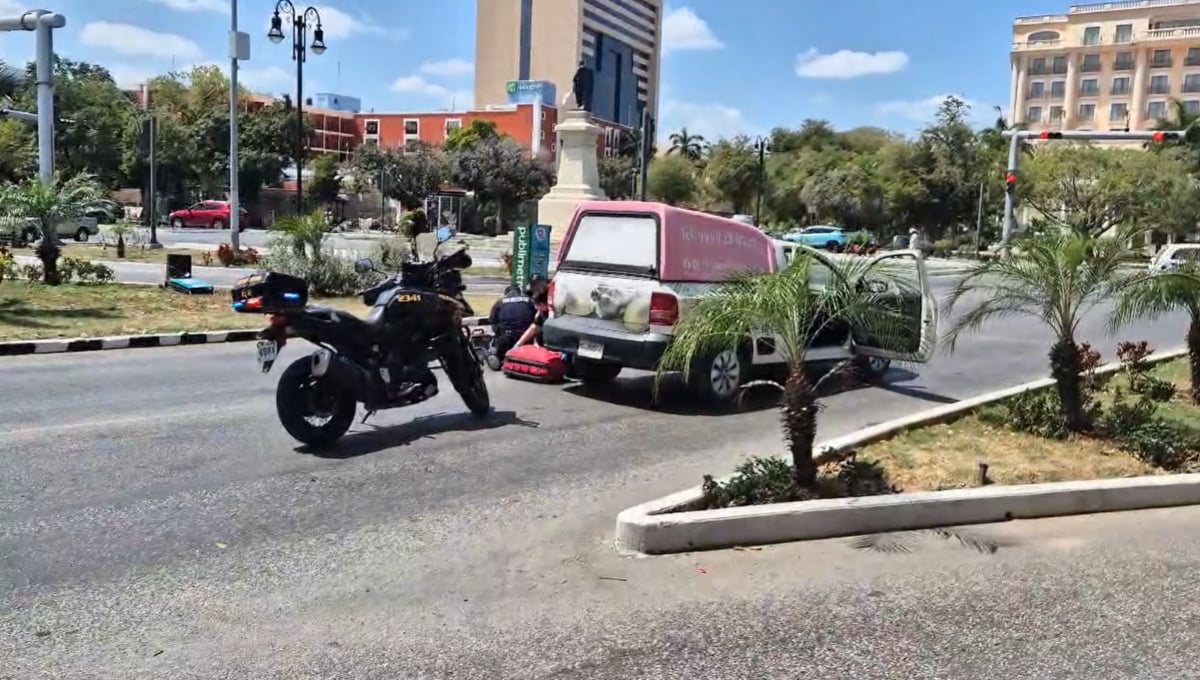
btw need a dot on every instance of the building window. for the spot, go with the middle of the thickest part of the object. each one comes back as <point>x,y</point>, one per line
<point>1035,114</point>
<point>1089,87</point>
<point>1056,114</point>
<point>1159,85</point>
<point>371,143</point>
<point>1120,85</point>
<point>1123,62</point>
<point>412,127</point>
<point>452,124</point>
<point>1059,65</point>
<point>1124,33</point>
<point>1037,67</point>
<point>1087,112</point>
<point>1091,35</point>
<point>372,128</point>
<point>1156,110</point>
<point>1118,112</point>
<point>1191,82</point>
<point>1160,59</point>
<point>1192,105</point>
<point>1091,63</point>
<point>1037,90</point>
<point>1058,89</point>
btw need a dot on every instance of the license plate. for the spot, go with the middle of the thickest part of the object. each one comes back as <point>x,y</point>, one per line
<point>591,350</point>
<point>268,351</point>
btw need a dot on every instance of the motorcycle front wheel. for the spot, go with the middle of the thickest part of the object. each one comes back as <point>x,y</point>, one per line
<point>313,411</point>
<point>465,373</point>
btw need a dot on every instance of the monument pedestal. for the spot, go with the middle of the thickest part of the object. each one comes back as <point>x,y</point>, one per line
<point>578,175</point>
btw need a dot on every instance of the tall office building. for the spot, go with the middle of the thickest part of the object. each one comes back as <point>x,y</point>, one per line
<point>1106,66</point>
<point>546,39</point>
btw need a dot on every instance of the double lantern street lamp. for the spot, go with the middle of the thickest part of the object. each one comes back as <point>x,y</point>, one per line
<point>300,20</point>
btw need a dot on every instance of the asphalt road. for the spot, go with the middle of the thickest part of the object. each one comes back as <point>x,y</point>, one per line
<point>156,522</point>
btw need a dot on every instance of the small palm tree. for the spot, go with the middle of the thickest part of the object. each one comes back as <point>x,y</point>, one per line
<point>789,306</point>
<point>305,233</point>
<point>687,145</point>
<point>48,204</point>
<point>1152,295</point>
<point>1058,276</point>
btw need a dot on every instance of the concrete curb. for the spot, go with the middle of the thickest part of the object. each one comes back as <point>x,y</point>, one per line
<point>652,529</point>
<point>58,346</point>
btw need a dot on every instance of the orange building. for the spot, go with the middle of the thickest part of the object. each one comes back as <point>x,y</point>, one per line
<point>517,121</point>
<point>334,132</point>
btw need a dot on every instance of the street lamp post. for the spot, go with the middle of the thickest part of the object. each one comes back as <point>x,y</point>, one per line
<point>761,146</point>
<point>300,20</point>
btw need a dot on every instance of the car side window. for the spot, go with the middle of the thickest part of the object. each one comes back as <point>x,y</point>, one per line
<point>1188,254</point>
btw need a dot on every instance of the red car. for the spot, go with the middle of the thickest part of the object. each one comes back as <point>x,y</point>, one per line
<point>207,214</point>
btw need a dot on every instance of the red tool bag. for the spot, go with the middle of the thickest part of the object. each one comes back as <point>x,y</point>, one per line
<point>530,362</point>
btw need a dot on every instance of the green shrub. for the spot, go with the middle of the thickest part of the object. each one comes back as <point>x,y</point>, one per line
<point>390,253</point>
<point>1161,444</point>
<point>942,247</point>
<point>328,275</point>
<point>1124,415</point>
<point>760,481</point>
<point>1037,412</point>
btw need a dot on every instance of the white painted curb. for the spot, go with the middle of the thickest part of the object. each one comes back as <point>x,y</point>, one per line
<point>650,528</point>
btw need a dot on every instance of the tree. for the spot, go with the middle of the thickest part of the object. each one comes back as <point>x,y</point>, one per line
<point>325,185</point>
<point>686,144</point>
<point>1152,295</point>
<point>671,179</point>
<point>467,137</point>
<point>787,306</point>
<point>732,172</point>
<point>49,204</point>
<point>1059,275</point>
<point>503,172</point>
<point>18,153</point>
<point>847,195</point>
<point>413,175</point>
<point>616,176</point>
<point>949,164</point>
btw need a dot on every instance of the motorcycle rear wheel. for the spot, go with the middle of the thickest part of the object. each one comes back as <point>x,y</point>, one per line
<point>300,397</point>
<point>465,373</point>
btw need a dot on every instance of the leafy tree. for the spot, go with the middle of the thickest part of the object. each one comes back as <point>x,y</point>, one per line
<point>787,306</point>
<point>686,144</point>
<point>671,179</point>
<point>616,176</point>
<point>1058,277</point>
<point>1152,295</point>
<point>502,171</point>
<point>325,184</point>
<point>732,172</point>
<point>848,195</point>
<point>467,137</point>
<point>48,204</point>
<point>410,176</point>
<point>948,157</point>
<point>18,151</point>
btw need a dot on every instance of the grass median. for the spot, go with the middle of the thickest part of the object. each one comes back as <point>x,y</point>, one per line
<point>37,312</point>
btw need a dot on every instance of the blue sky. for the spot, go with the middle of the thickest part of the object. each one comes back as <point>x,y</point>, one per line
<point>729,67</point>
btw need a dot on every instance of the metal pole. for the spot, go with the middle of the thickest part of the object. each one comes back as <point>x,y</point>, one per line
<point>234,206</point>
<point>45,99</point>
<point>762,178</point>
<point>298,46</point>
<point>1014,152</point>
<point>979,220</point>
<point>644,154</point>
<point>152,133</point>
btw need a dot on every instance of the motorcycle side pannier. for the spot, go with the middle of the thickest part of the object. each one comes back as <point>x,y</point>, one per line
<point>269,292</point>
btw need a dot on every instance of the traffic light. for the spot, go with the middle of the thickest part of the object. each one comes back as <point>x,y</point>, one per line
<point>1161,137</point>
<point>1050,135</point>
<point>1010,182</point>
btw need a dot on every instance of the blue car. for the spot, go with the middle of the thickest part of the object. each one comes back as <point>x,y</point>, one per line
<point>830,238</point>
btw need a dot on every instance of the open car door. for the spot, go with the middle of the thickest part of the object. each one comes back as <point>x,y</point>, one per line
<point>901,276</point>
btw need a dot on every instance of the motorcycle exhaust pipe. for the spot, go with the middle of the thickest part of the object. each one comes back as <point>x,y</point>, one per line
<point>345,374</point>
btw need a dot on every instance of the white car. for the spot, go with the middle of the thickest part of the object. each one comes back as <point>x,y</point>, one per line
<point>1173,256</point>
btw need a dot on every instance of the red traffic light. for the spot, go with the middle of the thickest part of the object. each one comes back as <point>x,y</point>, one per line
<point>1050,135</point>
<point>1160,137</point>
<point>1010,178</point>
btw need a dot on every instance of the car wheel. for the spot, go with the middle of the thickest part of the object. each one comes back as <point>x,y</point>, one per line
<point>833,246</point>
<point>82,235</point>
<point>871,369</point>
<point>218,224</point>
<point>177,223</point>
<point>718,378</point>
<point>595,372</point>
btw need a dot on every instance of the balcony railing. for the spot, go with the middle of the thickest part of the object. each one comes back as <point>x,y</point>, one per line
<point>1037,44</point>
<point>1158,89</point>
<point>1120,91</point>
<point>1126,4</point>
<point>1059,94</point>
<point>1040,94</point>
<point>1161,63</point>
<point>1089,92</point>
<point>1123,65</point>
<point>1038,71</point>
<point>1089,67</point>
<point>1164,34</point>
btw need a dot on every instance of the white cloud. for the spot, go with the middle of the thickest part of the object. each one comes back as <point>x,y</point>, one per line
<point>451,68</point>
<point>446,97</point>
<point>711,120</point>
<point>921,110</point>
<point>194,5</point>
<point>135,41</point>
<point>682,29</point>
<point>268,79</point>
<point>130,76</point>
<point>846,64</point>
<point>336,23</point>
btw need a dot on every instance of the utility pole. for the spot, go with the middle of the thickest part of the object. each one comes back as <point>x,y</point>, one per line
<point>979,219</point>
<point>647,149</point>
<point>239,48</point>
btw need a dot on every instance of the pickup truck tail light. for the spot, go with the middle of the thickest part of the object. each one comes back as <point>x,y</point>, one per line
<point>664,309</point>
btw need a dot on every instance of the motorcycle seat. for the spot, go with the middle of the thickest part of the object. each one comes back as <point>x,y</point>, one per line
<point>373,320</point>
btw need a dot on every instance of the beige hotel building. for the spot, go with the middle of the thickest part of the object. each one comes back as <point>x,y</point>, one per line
<point>1106,66</point>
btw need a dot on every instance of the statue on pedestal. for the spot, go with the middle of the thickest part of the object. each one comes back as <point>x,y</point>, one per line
<point>581,87</point>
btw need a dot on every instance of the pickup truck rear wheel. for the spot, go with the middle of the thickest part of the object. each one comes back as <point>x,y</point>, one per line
<point>594,372</point>
<point>718,378</point>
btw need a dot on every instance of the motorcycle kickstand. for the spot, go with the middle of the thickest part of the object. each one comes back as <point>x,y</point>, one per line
<point>366,415</point>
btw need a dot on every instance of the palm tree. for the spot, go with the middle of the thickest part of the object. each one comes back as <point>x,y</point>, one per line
<point>1058,276</point>
<point>11,80</point>
<point>686,144</point>
<point>788,306</point>
<point>1152,295</point>
<point>48,204</point>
